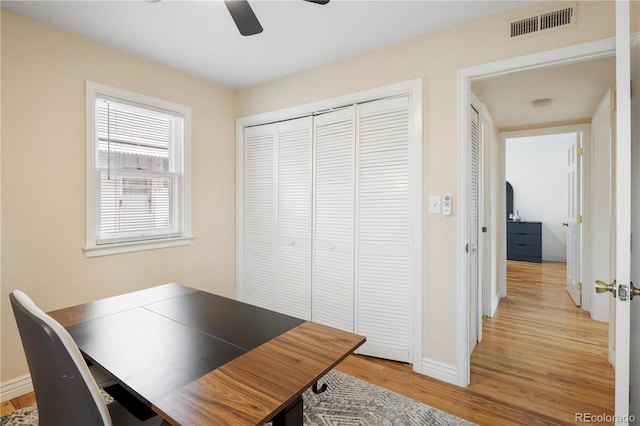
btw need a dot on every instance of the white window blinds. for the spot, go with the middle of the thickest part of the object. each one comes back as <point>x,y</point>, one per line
<point>138,172</point>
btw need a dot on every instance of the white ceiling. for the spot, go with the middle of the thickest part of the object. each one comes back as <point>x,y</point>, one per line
<point>575,91</point>
<point>199,37</point>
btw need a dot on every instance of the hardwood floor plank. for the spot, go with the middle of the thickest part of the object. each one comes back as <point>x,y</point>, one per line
<point>541,361</point>
<point>17,403</point>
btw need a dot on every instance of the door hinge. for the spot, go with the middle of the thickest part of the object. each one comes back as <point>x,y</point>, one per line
<point>580,152</point>
<point>579,218</point>
<point>579,286</point>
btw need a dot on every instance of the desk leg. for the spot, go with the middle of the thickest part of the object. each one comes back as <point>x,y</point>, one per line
<point>290,416</point>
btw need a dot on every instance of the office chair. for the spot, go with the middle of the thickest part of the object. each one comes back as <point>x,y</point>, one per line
<point>66,391</point>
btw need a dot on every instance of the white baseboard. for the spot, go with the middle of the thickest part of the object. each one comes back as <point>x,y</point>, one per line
<point>554,259</point>
<point>439,370</point>
<point>15,387</point>
<point>494,305</point>
<point>612,358</point>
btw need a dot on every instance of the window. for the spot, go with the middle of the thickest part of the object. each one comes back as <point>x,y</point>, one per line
<point>138,186</point>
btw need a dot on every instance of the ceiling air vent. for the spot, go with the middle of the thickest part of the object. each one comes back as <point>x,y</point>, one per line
<point>542,22</point>
<point>524,26</point>
<point>557,18</point>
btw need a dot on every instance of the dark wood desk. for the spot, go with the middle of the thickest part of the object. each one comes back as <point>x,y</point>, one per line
<point>200,359</point>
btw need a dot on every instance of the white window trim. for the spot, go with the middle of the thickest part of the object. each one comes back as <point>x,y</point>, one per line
<point>91,249</point>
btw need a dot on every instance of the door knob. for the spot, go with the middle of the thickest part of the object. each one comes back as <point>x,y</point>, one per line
<point>635,291</point>
<point>602,287</point>
<point>565,224</point>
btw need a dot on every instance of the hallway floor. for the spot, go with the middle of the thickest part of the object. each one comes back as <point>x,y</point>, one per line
<point>542,360</point>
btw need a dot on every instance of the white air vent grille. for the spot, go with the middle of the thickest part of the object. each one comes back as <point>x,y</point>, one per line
<point>559,18</point>
<point>556,18</point>
<point>524,26</point>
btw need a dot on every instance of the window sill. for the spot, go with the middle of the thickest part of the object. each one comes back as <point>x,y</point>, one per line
<point>118,248</point>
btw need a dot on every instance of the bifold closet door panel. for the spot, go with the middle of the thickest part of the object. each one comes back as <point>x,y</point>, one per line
<point>333,228</point>
<point>293,218</point>
<point>259,241</point>
<point>382,305</point>
<point>327,221</point>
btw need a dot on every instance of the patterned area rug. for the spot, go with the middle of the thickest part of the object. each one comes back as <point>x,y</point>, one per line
<point>347,402</point>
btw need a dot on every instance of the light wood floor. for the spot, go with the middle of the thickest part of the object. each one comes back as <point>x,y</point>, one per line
<point>541,360</point>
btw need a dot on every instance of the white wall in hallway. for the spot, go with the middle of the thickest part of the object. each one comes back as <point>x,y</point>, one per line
<point>536,167</point>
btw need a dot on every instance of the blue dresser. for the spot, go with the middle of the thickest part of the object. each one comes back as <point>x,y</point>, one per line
<point>524,241</point>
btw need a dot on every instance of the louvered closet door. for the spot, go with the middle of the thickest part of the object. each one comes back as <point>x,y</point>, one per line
<point>383,312</point>
<point>293,266</point>
<point>333,262</point>
<point>259,216</point>
<point>474,159</point>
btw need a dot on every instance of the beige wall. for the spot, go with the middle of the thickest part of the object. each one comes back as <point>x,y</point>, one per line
<point>435,58</point>
<point>43,176</point>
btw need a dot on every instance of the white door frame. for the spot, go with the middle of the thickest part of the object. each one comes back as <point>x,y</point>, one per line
<point>567,55</point>
<point>584,130</point>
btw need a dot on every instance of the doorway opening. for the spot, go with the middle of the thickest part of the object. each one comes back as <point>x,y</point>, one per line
<point>545,169</point>
<point>497,232</point>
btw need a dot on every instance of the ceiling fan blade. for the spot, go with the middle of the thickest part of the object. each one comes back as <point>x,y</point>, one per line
<point>318,1</point>
<point>243,16</point>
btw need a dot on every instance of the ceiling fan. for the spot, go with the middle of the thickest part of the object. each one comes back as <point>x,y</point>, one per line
<point>246,20</point>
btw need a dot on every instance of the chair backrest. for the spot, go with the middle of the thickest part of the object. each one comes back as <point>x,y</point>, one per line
<point>66,392</point>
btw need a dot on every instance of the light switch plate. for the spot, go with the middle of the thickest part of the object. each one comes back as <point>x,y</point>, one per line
<point>434,204</point>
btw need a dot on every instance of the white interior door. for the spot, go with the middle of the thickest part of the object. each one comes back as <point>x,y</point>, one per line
<point>574,258</point>
<point>277,243</point>
<point>333,224</point>
<point>329,214</point>
<point>602,213</point>
<point>292,283</point>
<point>259,241</point>
<point>634,408</point>
<point>623,214</point>
<point>382,277</point>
